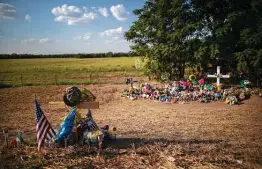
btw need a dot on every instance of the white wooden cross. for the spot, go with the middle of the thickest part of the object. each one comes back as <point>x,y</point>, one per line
<point>218,76</point>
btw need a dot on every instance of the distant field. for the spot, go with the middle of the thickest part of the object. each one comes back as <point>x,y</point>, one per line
<point>15,72</point>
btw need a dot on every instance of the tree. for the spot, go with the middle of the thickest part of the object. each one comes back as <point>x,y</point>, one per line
<point>249,53</point>
<point>234,34</point>
<point>171,33</point>
<point>162,34</point>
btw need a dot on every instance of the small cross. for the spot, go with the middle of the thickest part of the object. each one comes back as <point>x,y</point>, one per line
<point>218,76</point>
<point>5,132</point>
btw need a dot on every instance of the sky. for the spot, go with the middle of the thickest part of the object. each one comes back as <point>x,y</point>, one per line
<point>65,26</point>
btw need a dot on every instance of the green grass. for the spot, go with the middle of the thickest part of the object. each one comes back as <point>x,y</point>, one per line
<point>17,72</point>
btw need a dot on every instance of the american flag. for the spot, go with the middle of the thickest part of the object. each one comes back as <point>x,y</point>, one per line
<point>90,122</point>
<point>43,128</point>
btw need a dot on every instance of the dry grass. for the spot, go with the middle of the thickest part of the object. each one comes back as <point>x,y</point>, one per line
<point>151,135</point>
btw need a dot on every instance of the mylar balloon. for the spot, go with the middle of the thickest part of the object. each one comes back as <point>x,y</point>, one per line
<point>67,126</point>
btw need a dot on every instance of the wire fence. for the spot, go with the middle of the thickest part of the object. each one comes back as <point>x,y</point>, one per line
<point>12,79</point>
<point>47,78</point>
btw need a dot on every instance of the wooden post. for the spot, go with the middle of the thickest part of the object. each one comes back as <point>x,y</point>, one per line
<point>100,142</point>
<point>66,138</point>
<point>55,79</point>
<point>90,76</point>
<point>21,78</point>
<point>114,130</point>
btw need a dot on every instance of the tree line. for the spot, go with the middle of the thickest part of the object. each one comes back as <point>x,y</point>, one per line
<point>79,55</point>
<point>176,34</point>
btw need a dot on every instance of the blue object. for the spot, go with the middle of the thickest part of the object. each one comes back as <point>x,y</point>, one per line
<point>67,126</point>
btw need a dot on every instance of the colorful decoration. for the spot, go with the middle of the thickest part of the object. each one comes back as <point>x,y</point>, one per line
<point>201,81</point>
<point>192,77</point>
<point>87,95</point>
<point>185,91</point>
<point>67,126</point>
<point>73,128</point>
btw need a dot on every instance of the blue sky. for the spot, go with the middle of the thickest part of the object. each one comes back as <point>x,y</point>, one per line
<point>65,26</point>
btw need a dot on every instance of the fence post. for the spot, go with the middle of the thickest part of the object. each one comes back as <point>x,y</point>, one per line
<point>55,79</point>
<point>21,78</point>
<point>90,76</point>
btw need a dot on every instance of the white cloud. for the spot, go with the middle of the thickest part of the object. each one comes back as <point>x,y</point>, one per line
<point>103,11</point>
<point>7,11</point>
<point>36,41</point>
<point>86,37</point>
<point>116,36</point>
<point>119,12</point>
<point>46,40</point>
<point>28,18</point>
<point>113,32</point>
<point>30,40</point>
<point>86,18</point>
<point>78,38</point>
<point>67,10</point>
<point>73,15</point>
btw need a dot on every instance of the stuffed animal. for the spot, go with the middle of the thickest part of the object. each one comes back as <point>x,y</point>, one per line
<point>233,100</point>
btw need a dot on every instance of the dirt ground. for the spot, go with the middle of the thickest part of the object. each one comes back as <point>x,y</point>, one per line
<point>150,134</point>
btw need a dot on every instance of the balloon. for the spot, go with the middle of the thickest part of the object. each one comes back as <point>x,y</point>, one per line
<point>201,81</point>
<point>195,82</point>
<point>242,84</point>
<point>192,77</point>
<point>87,95</point>
<point>209,87</point>
<point>67,126</point>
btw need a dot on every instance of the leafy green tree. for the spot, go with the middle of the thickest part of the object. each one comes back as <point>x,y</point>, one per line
<point>249,53</point>
<point>162,34</point>
<point>234,35</point>
<point>174,33</point>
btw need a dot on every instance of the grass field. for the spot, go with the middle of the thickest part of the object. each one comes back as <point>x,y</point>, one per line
<point>15,72</point>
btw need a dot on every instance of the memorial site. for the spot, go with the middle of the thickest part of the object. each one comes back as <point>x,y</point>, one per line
<point>131,84</point>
